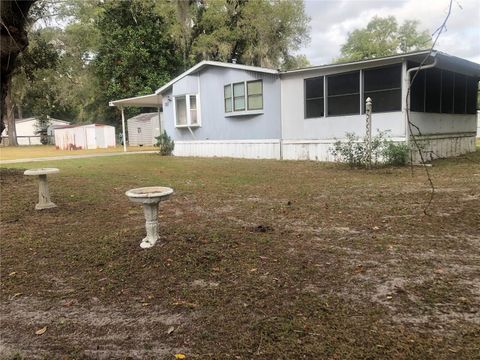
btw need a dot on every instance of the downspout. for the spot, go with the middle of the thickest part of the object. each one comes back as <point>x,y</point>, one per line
<point>159,118</point>
<point>123,130</point>
<point>407,105</point>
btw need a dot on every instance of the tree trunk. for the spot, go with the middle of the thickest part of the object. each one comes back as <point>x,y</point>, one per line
<point>9,119</point>
<point>13,40</point>
<point>19,111</point>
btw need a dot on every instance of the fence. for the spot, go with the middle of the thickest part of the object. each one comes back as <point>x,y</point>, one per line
<point>28,140</point>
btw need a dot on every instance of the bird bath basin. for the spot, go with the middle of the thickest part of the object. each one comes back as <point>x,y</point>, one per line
<point>150,197</point>
<point>44,201</point>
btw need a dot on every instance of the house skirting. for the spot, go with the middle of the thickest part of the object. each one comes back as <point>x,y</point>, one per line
<point>433,147</point>
<point>247,149</point>
<point>443,145</point>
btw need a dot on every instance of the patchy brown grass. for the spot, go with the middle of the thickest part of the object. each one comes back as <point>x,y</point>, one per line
<point>39,151</point>
<point>261,259</point>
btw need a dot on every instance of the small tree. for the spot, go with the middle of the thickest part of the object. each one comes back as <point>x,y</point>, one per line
<point>165,144</point>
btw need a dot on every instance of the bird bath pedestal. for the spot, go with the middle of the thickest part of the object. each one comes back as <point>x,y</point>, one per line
<point>44,201</point>
<point>150,197</point>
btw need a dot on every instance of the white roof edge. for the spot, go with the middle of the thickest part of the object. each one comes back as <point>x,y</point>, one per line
<point>219,64</point>
<point>120,101</point>
<point>359,62</point>
<point>33,118</point>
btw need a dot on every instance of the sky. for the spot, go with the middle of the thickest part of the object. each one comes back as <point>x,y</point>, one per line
<point>332,20</point>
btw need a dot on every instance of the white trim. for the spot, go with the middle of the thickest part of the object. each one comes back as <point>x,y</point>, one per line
<point>329,141</point>
<point>205,63</point>
<point>188,115</point>
<point>153,100</point>
<point>243,113</point>
<point>340,65</point>
<point>247,141</point>
<point>247,149</point>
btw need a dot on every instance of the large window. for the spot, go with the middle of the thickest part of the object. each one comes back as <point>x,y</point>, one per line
<point>243,96</point>
<point>384,87</point>
<point>314,99</point>
<point>186,111</point>
<point>343,94</point>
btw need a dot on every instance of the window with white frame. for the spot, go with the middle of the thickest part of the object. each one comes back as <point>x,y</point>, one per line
<point>243,96</point>
<point>186,110</point>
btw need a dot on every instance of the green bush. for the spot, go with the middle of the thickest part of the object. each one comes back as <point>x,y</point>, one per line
<point>395,154</point>
<point>353,151</point>
<point>165,144</point>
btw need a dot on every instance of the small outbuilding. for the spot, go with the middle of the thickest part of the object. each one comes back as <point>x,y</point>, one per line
<point>91,136</point>
<point>27,130</point>
<point>143,128</point>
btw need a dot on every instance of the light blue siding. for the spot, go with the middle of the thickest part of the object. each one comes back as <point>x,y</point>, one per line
<point>187,85</point>
<point>214,124</point>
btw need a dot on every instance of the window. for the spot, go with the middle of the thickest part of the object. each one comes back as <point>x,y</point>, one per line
<point>239,96</point>
<point>255,95</point>
<point>227,93</point>
<point>314,99</point>
<point>243,96</point>
<point>343,94</point>
<point>384,87</point>
<point>186,111</point>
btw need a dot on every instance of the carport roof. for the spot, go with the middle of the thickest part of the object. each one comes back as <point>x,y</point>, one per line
<point>152,100</point>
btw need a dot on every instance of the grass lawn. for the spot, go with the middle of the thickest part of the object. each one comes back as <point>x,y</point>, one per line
<point>261,260</point>
<point>38,151</point>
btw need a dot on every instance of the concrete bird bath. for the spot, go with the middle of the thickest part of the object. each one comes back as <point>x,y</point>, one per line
<point>44,201</point>
<point>150,197</point>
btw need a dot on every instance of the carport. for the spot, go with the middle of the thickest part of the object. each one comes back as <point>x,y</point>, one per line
<point>144,101</point>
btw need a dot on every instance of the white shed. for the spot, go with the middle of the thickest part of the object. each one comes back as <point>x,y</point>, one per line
<point>143,128</point>
<point>92,136</point>
<point>26,130</point>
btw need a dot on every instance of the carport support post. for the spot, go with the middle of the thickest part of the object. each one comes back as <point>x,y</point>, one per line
<point>124,138</point>
<point>368,112</point>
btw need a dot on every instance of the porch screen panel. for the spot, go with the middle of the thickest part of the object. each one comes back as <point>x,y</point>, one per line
<point>417,91</point>
<point>472,91</point>
<point>433,90</point>
<point>314,99</point>
<point>447,92</point>
<point>384,87</point>
<point>459,94</point>
<point>343,94</point>
<point>181,110</point>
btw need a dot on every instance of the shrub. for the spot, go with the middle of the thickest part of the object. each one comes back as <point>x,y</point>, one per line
<point>395,154</point>
<point>354,152</point>
<point>165,144</point>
